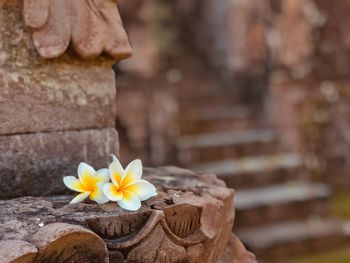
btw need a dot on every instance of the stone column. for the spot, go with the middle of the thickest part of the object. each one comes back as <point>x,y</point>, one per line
<point>56,108</point>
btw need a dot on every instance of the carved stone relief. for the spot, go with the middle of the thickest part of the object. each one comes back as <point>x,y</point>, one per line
<point>91,27</point>
<point>175,226</point>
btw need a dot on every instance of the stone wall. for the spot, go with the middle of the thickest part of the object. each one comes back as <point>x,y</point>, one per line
<point>310,38</point>
<point>310,83</point>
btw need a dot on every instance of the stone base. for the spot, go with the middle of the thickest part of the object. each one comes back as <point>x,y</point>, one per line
<point>235,252</point>
<point>35,164</point>
<point>189,221</point>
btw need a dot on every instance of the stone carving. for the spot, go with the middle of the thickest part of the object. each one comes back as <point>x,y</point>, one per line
<point>189,221</point>
<point>90,26</point>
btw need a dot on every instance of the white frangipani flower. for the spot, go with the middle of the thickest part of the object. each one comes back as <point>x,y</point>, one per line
<point>90,184</point>
<point>127,187</point>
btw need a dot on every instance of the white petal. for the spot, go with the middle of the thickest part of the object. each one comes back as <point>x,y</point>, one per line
<point>143,189</point>
<point>130,201</point>
<point>97,195</point>
<point>115,159</point>
<point>116,172</point>
<point>74,184</point>
<point>102,176</point>
<point>132,173</point>
<point>80,198</point>
<point>85,172</point>
<point>111,192</point>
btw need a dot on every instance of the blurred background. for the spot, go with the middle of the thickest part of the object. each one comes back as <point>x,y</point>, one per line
<point>258,92</point>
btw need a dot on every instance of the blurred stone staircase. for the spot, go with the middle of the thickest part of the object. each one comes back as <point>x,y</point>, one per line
<point>279,212</point>
<point>216,118</point>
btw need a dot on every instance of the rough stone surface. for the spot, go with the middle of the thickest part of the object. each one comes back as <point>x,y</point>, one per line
<point>34,164</point>
<point>17,251</point>
<point>189,221</point>
<point>235,252</point>
<point>67,93</point>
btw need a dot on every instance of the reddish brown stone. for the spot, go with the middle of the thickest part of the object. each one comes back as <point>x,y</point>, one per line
<point>34,164</point>
<point>235,252</point>
<point>311,38</point>
<point>56,104</point>
<point>61,242</point>
<point>332,45</point>
<point>178,225</point>
<point>38,95</point>
<point>293,45</point>
<point>92,27</point>
<point>16,251</point>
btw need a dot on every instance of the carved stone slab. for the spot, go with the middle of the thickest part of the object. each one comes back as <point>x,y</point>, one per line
<point>189,221</point>
<point>67,93</point>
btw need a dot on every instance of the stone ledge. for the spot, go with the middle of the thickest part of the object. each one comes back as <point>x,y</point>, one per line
<point>189,221</point>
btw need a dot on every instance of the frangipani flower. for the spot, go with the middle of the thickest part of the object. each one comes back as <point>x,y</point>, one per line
<point>90,184</point>
<point>127,187</point>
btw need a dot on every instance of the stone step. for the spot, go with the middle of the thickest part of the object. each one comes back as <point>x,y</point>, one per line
<point>255,171</point>
<point>217,118</point>
<point>277,242</point>
<point>294,200</point>
<point>225,145</point>
<point>219,112</point>
<point>211,96</point>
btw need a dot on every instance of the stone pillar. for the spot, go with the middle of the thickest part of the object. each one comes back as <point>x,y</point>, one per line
<point>56,108</point>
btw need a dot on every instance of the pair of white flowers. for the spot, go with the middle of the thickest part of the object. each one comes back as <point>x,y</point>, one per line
<point>127,188</point>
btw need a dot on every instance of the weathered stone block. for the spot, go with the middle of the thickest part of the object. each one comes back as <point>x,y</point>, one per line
<point>67,93</point>
<point>34,164</point>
